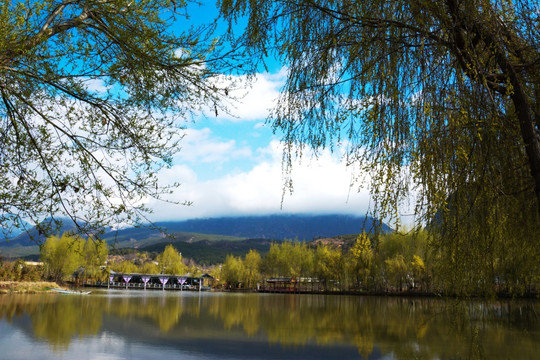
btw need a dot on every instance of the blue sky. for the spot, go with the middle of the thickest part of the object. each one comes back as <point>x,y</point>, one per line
<point>231,165</point>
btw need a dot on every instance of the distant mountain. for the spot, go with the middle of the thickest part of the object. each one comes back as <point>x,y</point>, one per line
<point>279,227</point>
<point>11,227</point>
<point>34,237</point>
<point>212,252</point>
<point>211,239</point>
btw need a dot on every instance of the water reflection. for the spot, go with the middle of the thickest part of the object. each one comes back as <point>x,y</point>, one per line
<point>369,327</point>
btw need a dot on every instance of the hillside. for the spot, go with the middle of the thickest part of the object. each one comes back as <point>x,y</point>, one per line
<point>209,240</point>
<point>11,227</point>
<point>206,252</point>
<point>279,227</point>
<point>343,242</point>
<point>34,237</point>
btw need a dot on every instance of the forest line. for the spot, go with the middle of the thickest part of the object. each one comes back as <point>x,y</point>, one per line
<point>397,262</point>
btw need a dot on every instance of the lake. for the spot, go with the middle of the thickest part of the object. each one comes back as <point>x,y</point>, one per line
<point>136,324</point>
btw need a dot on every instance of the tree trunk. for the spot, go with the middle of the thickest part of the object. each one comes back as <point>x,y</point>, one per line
<point>518,95</point>
<point>526,125</point>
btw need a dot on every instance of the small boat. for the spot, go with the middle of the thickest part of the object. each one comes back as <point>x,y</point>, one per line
<point>62,291</point>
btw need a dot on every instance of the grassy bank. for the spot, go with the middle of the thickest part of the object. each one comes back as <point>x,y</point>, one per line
<point>26,287</point>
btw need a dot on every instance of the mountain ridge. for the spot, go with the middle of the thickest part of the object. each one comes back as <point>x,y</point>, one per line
<point>278,227</point>
<point>223,233</point>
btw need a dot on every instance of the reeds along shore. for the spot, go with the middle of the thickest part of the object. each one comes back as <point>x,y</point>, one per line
<point>26,287</point>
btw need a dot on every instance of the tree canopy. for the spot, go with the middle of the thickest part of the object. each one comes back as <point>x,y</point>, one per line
<point>90,95</point>
<point>63,255</point>
<point>430,98</point>
<point>437,103</point>
<point>170,261</point>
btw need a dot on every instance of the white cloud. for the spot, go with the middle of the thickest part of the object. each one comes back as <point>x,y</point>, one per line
<point>254,99</point>
<point>96,85</point>
<point>201,146</point>
<point>225,177</point>
<point>320,186</point>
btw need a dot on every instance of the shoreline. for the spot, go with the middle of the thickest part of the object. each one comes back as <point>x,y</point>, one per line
<point>41,287</point>
<point>26,287</point>
<point>404,294</point>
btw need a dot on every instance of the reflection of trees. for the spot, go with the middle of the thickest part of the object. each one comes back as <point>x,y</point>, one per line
<point>59,322</point>
<point>164,311</point>
<point>407,328</point>
<point>55,319</point>
<point>237,311</point>
<point>17,305</point>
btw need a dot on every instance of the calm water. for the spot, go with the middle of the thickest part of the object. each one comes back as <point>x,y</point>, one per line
<point>188,325</point>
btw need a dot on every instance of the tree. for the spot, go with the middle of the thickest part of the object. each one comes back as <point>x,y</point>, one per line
<point>406,83</point>
<point>439,102</point>
<point>305,257</point>
<point>95,254</point>
<point>149,267</point>
<point>273,263</point>
<point>361,259</point>
<point>252,268</point>
<point>233,271</point>
<point>62,255</point>
<point>124,267</point>
<point>418,271</point>
<point>329,265</point>
<point>193,269</point>
<point>18,270</point>
<point>396,271</point>
<point>170,261</point>
<point>90,95</point>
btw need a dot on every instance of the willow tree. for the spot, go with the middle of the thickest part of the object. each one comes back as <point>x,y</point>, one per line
<point>438,101</point>
<point>95,255</point>
<point>360,260</point>
<point>252,268</point>
<point>170,261</point>
<point>63,255</point>
<point>233,271</point>
<point>90,95</point>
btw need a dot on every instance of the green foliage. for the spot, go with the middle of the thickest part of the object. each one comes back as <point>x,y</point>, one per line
<point>170,261</point>
<point>252,268</point>
<point>360,260</point>
<point>232,271</point>
<point>396,270</point>
<point>91,92</point>
<point>212,251</point>
<point>95,256</point>
<point>124,267</point>
<point>329,265</point>
<point>62,255</point>
<point>236,272</point>
<point>149,267</point>
<point>437,101</point>
<point>20,271</point>
<point>419,274</point>
<point>272,261</point>
<point>289,259</point>
<point>392,262</point>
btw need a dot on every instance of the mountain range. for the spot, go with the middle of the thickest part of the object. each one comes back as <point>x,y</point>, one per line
<point>277,227</point>
<point>212,238</point>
